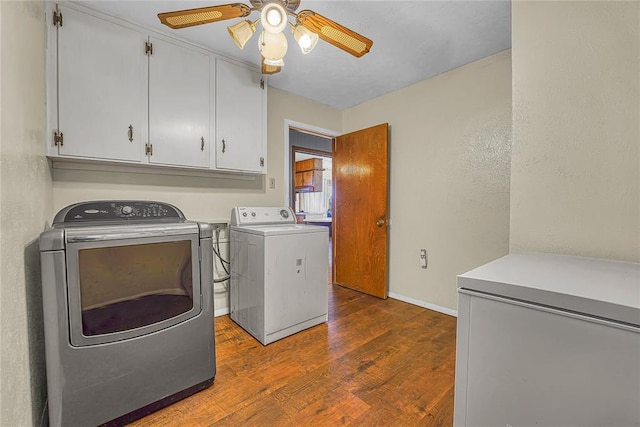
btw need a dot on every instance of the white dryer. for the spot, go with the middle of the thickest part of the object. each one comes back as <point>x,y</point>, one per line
<point>279,272</point>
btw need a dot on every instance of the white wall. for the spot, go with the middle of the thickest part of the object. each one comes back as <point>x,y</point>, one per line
<point>25,200</point>
<point>450,143</point>
<point>199,198</point>
<point>575,183</point>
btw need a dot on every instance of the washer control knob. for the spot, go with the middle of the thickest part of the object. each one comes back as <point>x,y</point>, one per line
<point>244,214</point>
<point>126,210</point>
<point>284,213</point>
<point>253,214</point>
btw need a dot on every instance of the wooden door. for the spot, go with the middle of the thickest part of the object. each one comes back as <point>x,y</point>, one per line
<point>360,217</point>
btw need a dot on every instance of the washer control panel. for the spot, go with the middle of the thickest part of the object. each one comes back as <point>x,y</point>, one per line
<point>262,215</point>
<point>119,210</point>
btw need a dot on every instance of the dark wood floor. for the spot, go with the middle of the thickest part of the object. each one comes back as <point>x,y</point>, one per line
<point>375,363</point>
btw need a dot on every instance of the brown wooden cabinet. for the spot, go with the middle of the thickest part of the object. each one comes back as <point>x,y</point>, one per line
<point>308,177</point>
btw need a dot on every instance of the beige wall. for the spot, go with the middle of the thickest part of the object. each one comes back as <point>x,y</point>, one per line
<point>25,199</point>
<point>450,142</point>
<point>202,198</point>
<point>575,183</point>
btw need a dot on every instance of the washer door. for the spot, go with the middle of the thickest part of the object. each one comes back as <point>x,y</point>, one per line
<point>126,287</point>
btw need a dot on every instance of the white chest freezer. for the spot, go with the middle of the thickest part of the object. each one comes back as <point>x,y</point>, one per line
<point>548,340</point>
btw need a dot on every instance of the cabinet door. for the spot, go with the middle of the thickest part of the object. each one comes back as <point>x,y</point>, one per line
<point>240,118</point>
<point>308,164</point>
<point>307,179</point>
<point>178,105</point>
<point>102,89</point>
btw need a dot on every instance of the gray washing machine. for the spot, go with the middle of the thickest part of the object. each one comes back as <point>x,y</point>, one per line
<point>279,272</point>
<point>128,310</point>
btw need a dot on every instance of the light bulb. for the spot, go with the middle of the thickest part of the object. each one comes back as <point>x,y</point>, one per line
<point>305,38</point>
<point>305,42</point>
<point>273,17</point>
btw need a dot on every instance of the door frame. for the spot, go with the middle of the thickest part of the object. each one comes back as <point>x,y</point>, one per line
<point>302,127</point>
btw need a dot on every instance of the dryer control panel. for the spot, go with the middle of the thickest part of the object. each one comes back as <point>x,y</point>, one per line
<point>114,210</point>
<point>241,216</point>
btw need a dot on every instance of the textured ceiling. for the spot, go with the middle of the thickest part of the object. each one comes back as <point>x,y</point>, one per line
<point>412,41</point>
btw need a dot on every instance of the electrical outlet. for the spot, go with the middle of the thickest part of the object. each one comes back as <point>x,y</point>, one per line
<point>272,183</point>
<point>423,258</point>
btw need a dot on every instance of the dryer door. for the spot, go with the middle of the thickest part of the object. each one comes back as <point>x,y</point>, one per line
<point>127,287</point>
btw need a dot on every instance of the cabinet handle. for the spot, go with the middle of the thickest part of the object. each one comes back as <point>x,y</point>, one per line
<point>224,146</point>
<point>202,143</point>
<point>130,133</point>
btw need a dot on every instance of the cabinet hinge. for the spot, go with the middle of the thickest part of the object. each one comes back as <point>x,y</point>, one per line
<point>148,149</point>
<point>148,48</point>
<point>57,18</point>
<point>261,161</point>
<point>261,83</point>
<point>58,139</point>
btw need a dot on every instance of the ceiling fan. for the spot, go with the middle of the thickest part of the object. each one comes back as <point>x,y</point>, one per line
<point>308,27</point>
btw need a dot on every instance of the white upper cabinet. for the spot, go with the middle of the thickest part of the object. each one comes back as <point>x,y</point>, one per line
<point>122,95</point>
<point>240,111</point>
<point>178,105</point>
<point>102,89</point>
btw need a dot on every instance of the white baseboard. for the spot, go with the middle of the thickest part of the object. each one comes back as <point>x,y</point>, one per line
<point>443,310</point>
<point>424,304</point>
<point>221,312</point>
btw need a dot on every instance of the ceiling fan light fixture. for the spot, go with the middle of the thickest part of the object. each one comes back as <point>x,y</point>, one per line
<point>305,38</point>
<point>274,14</point>
<point>274,63</point>
<point>273,46</point>
<point>241,32</point>
<point>274,17</point>
<point>270,69</point>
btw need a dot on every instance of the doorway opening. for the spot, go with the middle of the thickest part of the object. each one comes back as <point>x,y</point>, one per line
<point>359,224</point>
<point>312,185</point>
<point>310,175</point>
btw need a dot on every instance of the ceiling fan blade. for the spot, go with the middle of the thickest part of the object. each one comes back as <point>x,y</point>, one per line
<point>203,15</point>
<point>334,33</point>
<point>270,69</point>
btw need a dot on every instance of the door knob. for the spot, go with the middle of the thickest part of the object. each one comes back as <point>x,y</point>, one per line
<point>380,222</point>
